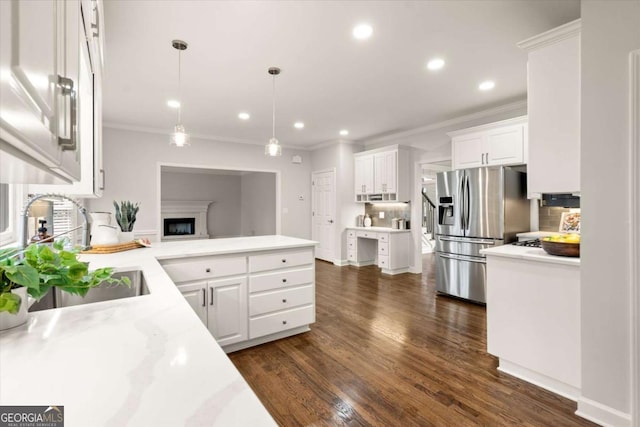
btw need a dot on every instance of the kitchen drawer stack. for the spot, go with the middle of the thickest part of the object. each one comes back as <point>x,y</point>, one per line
<point>281,291</point>
<point>248,299</point>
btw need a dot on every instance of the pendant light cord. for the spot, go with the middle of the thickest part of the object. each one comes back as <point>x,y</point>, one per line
<point>179,87</point>
<point>274,105</point>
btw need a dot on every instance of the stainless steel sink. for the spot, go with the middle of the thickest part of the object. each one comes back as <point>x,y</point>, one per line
<point>103,292</point>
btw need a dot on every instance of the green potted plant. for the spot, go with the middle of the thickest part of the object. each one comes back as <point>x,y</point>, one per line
<point>126,217</point>
<point>38,268</point>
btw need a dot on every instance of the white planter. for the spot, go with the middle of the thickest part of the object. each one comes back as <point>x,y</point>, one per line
<point>8,320</point>
<point>126,236</point>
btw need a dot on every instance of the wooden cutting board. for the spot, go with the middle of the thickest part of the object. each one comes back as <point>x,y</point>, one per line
<point>110,249</point>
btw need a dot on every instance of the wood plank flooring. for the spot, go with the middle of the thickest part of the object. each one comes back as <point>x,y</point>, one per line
<point>386,351</point>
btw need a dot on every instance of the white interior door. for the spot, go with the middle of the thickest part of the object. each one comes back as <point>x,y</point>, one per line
<point>324,213</point>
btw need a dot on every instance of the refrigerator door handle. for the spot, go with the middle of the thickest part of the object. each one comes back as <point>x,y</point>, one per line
<point>463,258</point>
<point>467,203</point>
<point>467,240</point>
<point>462,224</point>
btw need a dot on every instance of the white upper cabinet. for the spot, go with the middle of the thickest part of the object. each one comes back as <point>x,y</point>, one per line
<point>499,143</point>
<point>554,110</point>
<point>382,175</point>
<point>89,113</point>
<point>39,65</point>
<point>364,175</point>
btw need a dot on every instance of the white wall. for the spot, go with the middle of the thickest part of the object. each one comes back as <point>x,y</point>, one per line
<point>131,160</point>
<point>258,204</point>
<point>340,157</point>
<point>223,190</point>
<point>610,30</point>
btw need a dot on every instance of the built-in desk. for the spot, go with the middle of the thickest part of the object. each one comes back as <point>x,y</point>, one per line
<point>387,248</point>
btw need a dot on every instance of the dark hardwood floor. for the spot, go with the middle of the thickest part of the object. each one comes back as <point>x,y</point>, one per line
<point>386,351</point>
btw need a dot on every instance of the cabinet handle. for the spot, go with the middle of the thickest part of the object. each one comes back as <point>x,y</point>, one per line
<point>66,86</point>
<point>95,26</point>
<point>204,297</point>
<point>208,270</point>
<point>102,176</point>
<point>211,295</point>
<point>284,260</point>
<point>284,322</point>
<point>486,158</point>
<point>284,280</point>
<point>284,300</point>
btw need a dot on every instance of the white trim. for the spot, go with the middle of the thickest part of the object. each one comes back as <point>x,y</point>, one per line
<point>538,379</point>
<point>16,202</point>
<point>341,262</point>
<point>332,142</point>
<point>602,414</point>
<point>552,36</point>
<point>222,167</point>
<point>493,125</point>
<point>443,124</point>
<point>634,216</point>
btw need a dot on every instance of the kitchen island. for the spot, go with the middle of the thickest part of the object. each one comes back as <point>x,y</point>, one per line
<point>140,361</point>
<point>533,316</point>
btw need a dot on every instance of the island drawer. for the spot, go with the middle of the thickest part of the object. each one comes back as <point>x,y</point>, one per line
<point>284,259</point>
<point>181,270</point>
<point>280,279</point>
<point>281,321</point>
<point>279,300</point>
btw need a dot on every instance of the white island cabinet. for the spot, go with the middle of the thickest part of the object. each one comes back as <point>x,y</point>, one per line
<point>533,316</point>
<point>137,356</point>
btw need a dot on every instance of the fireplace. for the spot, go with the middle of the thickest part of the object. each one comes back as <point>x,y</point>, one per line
<point>184,219</point>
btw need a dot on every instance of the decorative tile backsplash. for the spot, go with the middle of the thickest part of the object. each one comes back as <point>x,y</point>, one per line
<point>549,217</point>
<point>391,210</point>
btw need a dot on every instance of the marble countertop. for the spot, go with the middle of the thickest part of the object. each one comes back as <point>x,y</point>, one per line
<point>138,361</point>
<point>530,254</point>
<point>379,229</point>
<point>537,234</point>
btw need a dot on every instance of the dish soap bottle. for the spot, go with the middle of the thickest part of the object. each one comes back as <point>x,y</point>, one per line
<point>367,220</point>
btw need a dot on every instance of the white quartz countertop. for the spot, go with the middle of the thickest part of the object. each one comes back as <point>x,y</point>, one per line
<point>531,254</point>
<point>141,361</point>
<point>537,234</point>
<point>379,229</point>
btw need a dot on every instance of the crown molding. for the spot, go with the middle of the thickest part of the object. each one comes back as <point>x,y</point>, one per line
<point>332,142</point>
<point>512,106</point>
<point>552,36</point>
<point>164,132</point>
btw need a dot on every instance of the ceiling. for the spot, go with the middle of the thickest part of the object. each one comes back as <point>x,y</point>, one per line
<point>329,80</point>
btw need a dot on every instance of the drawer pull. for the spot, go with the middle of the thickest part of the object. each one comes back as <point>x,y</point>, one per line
<point>208,270</point>
<point>284,300</point>
<point>284,280</point>
<point>284,322</point>
<point>284,260</point>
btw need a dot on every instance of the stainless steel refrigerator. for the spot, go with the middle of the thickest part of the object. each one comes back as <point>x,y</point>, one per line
<point>477,209</point>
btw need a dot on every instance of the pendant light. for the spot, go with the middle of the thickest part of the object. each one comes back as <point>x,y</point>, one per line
<point>273,148</point>
<point>179,137</point>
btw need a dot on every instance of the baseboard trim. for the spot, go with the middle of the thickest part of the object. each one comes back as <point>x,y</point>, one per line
<point>541,380</point>
<point>267,338</point>
<point>602,414</point>
<point>341,262</point>
<point>396,271</point>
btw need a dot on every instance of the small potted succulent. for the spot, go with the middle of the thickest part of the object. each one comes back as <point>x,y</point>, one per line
<point>125,217</point>
<point>35,270</point>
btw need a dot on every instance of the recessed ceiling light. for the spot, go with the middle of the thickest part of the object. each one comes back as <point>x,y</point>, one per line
<point>435,64</point>
<point>344,132</point>
<point>362,31</point>
<point>488,85</point>
<point>173,103</point>
<point>298,125</point>
<point>244,116</point>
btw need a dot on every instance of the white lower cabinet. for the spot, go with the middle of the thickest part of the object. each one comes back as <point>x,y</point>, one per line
<point>248,299</point>
<point>221,305</point>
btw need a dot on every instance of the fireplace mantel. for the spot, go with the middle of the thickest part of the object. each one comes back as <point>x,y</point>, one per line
<point>196,209</point>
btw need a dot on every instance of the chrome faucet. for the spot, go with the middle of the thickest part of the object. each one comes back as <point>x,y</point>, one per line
<point>25,218</point>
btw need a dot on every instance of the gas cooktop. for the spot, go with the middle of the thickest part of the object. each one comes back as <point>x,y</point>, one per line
<point>535,243</point>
